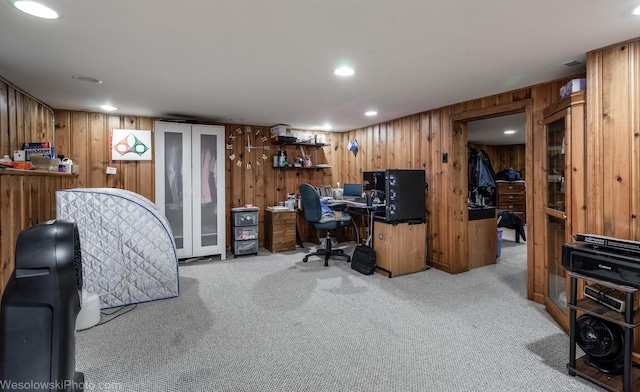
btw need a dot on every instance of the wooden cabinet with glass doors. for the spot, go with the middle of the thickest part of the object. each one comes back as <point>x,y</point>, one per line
<point>565,124</point>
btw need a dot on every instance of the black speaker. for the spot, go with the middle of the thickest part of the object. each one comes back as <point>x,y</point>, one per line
<point>40,305</point>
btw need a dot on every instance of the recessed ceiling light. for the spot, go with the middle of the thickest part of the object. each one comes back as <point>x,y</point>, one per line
<point>371,113</point>
<point>509,132</point>
<point>35,9</point>
<point>108,108</point>
<point>344,71</point>
<point>636,11</point>
<point>86,79</point>
<point>326,127</point>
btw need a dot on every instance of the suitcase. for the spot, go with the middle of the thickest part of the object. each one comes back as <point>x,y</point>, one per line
<point>364,260</point>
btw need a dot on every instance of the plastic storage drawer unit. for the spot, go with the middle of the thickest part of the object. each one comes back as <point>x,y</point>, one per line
<point>244,226</point>
<point>246,233</point>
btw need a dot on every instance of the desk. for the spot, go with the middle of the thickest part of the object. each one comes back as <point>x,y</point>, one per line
<point>362,209</point>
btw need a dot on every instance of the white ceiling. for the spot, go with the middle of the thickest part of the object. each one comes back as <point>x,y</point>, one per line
<point>490,131</point>
<point>271,61</point>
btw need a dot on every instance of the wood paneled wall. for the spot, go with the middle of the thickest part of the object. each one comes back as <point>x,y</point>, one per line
<point>24,199</point>
<point>613,140</point>
<point>22,119</point>
<point>86,139</point>
<point>613,145</point>
<point>27,198</point>
<point>419,142</point>
<point>505,156</point>
<point>262,185</point>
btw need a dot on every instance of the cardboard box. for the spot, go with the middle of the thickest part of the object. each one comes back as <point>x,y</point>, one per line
<point>32,145</point>
<point>304,137</point>
<point>39,163</point>
<point>573,86</point>
<point>39,152</point>
<point>19,156</point>
<point>281,133</point>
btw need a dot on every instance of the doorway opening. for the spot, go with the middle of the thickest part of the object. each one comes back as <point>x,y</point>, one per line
<point>484,130</point>
<point>503,140</point>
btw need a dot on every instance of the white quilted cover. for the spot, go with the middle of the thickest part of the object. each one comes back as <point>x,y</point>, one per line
<point>128,252</point>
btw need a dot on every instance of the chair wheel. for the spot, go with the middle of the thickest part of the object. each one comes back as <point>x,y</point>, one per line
<point>348,259</point>
<point>305,259</point>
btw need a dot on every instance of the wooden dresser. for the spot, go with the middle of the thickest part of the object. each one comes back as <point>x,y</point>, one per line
<point>511,195</point>
<point>280,230</point>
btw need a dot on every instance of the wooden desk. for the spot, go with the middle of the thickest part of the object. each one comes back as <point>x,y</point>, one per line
<point>280,230</point>
<point>400,247</point>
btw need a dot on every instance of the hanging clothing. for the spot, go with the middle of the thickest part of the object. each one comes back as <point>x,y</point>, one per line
<point>205,188</point>
<point>481,172</point>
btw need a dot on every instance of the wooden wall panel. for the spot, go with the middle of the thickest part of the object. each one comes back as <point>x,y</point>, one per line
<point>88,137</point>
<point>23,201</point>
<point>419,141</point>
<point>505,156</point>
<point>613,95</point>
<point>4,117</point>
<point>613,144</point>
<point>27,198</point>
<point>22,119</point>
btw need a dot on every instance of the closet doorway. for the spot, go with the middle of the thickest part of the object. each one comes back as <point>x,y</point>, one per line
<point>466,125</point>
<point>501,142</point>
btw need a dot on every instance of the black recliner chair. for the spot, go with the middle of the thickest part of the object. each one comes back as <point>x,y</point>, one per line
<point>314,216</point>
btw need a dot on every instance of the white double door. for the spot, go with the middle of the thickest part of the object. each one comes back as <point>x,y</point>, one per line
<point>190,186</point>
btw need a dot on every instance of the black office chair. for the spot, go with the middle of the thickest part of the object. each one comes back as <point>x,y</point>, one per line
<point>317,220</point>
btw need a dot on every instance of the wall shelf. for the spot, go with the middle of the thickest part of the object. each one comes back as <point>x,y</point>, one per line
<point>316,146</point>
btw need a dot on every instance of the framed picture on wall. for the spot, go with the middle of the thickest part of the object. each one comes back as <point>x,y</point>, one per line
<point>130,145</point>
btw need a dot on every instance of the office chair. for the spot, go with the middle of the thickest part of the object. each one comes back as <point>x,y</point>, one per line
<point>317,220</point>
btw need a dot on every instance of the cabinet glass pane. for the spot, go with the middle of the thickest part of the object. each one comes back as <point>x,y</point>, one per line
<point>556,165</point>
<point>209,203</point>
<point>174,201</point>
<point>556,279</point>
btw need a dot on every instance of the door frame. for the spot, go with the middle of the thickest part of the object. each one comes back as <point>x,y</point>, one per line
<point>459,122</point>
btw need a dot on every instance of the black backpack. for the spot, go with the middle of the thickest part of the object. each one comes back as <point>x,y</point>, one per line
<point>364,260</point>
<point>509,174</point>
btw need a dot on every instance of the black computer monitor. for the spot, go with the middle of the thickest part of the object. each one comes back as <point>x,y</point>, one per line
<point>352,190</point>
